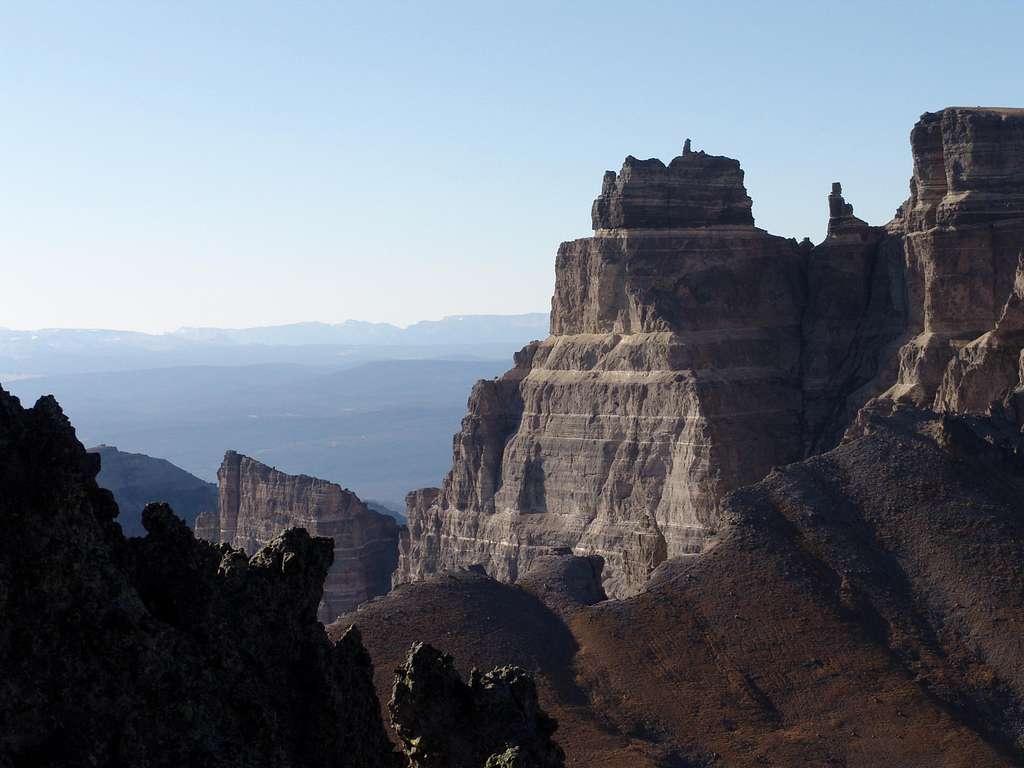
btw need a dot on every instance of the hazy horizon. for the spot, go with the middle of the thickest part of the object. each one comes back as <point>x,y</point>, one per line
<point>255,164</point>
<point>347,320</point>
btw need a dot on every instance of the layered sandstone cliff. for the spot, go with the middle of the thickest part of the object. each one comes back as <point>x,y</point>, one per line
<point>257,502</point>
<point>690,352</point>
<point>672,376</point>
<point>963,234</point>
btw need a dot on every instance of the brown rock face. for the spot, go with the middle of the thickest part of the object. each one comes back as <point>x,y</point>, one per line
<point>257,502</point>
<point>862,608</point>
<point>963,232</point>
<point>690,352</point>
<point>671,377</point>
<point>694,190</point>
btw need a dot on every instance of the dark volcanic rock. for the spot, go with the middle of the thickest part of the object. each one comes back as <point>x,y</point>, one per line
<point>164,650</point>
<point>136,479</point>
<point>485,624</point>
<point>495,720</point>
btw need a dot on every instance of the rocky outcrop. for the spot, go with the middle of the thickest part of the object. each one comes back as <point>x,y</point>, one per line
<point>963,232</point>
<point>162,650</point>
<point>672,376</point>
<point>136,479</point>
<point>690,352</point>
<point>852,322</point>
<point>695,190</point>
<point>484,624</point>
<point>257,502</point>
<point>169,651</point>
<point>493,721</point>
<point>861,608</point>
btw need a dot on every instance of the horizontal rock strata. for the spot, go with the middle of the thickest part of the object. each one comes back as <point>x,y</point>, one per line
<point>257,502</point>
<point>671,376</point>
<point>690,352</point>
<point>963,234</point>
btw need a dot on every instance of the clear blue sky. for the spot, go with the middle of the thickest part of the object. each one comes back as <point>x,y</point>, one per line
<point>248,163</point>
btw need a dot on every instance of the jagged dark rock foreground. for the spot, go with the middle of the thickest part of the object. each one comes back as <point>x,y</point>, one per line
<point>161,651</point>
<point>171,651</point>
<point>493,721</point>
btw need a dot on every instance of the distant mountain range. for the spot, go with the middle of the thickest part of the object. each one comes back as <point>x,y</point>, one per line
<point>459,337</point>
<point>368,405</point>
<point>455,329</point>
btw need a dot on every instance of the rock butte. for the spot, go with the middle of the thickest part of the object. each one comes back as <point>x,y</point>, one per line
<point>257,502</point>
<point>690,352</point>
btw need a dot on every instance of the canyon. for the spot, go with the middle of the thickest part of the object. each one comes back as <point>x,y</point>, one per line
<point>691,352</point>
<point>257,502</point>
<point>753,502</point>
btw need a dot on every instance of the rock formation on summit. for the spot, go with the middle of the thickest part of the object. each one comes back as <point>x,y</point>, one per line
<point>671,377</point>
<point>690,352</point>
<point>257,502</point>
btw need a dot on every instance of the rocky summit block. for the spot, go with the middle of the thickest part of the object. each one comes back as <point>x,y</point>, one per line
<point>672,376</point>
<point>962,233</point>
<point>691,352</point>
<point>257,502</point>
<point>694,190</point>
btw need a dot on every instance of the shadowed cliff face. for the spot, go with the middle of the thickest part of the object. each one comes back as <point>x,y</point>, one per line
<point>691,352</point>
<point>257,502</point>
<point>164,650</point>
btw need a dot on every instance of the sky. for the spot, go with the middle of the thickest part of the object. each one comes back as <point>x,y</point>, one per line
<point>231,164</point>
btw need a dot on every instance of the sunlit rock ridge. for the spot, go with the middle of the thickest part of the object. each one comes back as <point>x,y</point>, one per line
<point>690,352</point>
